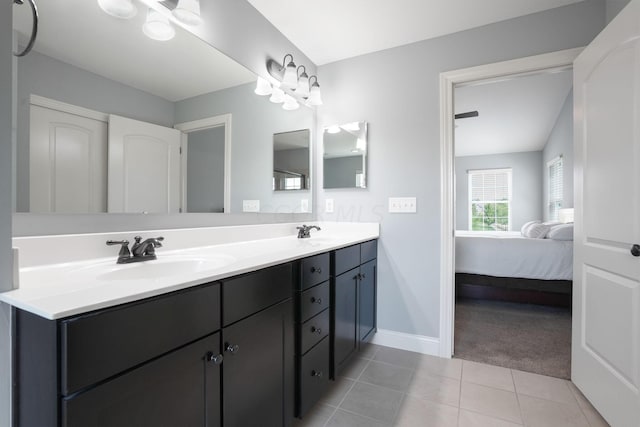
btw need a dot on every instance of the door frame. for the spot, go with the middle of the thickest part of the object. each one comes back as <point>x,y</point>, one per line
<point>448,81</point>
<point>201,124</point>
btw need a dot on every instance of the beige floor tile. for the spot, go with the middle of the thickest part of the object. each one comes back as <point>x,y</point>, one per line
<point>593,416</point>
<point>546,413</point>
<point>369,351</point>
<point>395,356</point>
<point>317,417</point>
<point>355,368</point>
<point>435,388</point>
<point>488,375</point>
<point>416,412</point>
<point>337,391</point>
<point>543,387</point>
<point>372,401</point>
<point>490,401</point>
<point>473,419</point>
<point>432,365</point>
<point>348,419</point>
<point>386,375</point>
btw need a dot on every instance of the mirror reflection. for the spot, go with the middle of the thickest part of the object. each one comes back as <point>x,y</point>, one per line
<point>345,155</point>
<point>291,161</point>
<point>110,120</point>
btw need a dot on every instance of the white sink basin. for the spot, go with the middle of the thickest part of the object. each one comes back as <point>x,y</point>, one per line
<point>166,266</point>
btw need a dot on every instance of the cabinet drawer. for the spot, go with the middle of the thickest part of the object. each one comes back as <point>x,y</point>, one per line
<point>313,301</point>
<point>368,251</point>
<point>314,376</point>
<point>315,270</point>
<point>313,330</point>
<point>99,345</point>
<point>345,259</point>
<point>248,294</point>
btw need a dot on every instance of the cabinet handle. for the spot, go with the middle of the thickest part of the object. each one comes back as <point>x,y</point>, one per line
<point>315,300</point>
<point>635,250</point>
<point>315,330</point>
<point>362,276</point>
<point>233,349</point>
<point>316,270</point>
<point>317,374</point>
<point>215,359</point>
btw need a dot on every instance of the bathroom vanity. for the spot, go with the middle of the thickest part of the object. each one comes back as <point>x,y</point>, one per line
<point>254,348</point>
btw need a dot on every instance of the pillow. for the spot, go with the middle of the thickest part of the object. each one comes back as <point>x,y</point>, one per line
<point>537,231</point>
<point>561,232</point>
<point>525,228</point>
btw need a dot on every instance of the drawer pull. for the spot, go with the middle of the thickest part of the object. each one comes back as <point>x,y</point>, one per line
<point>317,374</point>
<point>233,349</point>
<point>215,359</point>
<point>315,330</point>
<point>316,270</point>
<point>315,300</point>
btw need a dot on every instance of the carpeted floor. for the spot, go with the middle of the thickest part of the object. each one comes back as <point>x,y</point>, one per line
<point>518,336</point>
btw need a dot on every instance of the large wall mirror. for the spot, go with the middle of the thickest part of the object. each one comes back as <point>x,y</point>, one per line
<point>345,155</point>
<point>112,121</point>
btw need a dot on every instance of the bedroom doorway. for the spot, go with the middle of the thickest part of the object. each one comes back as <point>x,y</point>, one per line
<point>496,174</point>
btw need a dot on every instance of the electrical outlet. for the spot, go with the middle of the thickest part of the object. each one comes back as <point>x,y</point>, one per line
<point>402,205</point>
<point>304,205</point>
<point>328,205</point>
<point>251,206</point>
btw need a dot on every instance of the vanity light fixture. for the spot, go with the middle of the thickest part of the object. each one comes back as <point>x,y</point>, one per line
<point>263,87</point>
<point>123,9</point>
<point>314,93</point>
<point>290,103</point>
<point>157,26</point>
<point>303,83</point>
<point>277,96</point>
<point>333,129</point>
<point>291,81</point>
<point>188,12</point>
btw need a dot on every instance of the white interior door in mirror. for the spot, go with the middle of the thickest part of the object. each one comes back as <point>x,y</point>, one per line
<point>67,162</point>
<point>144,167</point>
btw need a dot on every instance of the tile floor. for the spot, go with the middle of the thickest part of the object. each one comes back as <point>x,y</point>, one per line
<point>391,387</point>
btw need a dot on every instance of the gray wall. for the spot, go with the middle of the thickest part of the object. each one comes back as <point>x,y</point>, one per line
<point>560,142</point>
<point>526,190</point>
<point>205,170</point>
<point>6,203</point>
<point>340,172</point>
<point>45,76</point>
<point>254,121</point>
<point>614,7</point>
<point>404,143</point>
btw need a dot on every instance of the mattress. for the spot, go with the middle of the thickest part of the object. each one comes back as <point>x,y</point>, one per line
<point>508,254</point>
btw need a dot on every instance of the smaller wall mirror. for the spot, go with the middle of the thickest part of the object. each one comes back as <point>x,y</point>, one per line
<point>291,161</point>
<point>345,155</point>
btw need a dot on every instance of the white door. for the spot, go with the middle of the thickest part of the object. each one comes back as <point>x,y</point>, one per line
<point>606,298</point>
<point>67,162</point>
<point>144,167</point>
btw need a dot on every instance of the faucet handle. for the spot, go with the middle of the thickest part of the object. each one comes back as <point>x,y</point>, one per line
<point>124,249</point>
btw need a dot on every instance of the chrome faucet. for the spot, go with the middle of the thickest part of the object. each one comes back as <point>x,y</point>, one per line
<point>304,232</point>
<point>140,251</point>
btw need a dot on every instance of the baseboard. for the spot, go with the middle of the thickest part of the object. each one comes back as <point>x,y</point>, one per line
<point>418,343</point>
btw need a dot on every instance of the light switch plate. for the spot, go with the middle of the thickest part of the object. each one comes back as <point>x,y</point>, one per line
<point>251,206</point>
<point>402,205</point>
<point>328,205</point>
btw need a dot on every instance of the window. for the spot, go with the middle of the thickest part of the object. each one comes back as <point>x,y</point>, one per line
<point>490,199</point>
<point>554,197</point>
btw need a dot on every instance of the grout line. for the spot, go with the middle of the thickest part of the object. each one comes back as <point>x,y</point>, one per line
<point>460,392</point>
<point>515,390</point>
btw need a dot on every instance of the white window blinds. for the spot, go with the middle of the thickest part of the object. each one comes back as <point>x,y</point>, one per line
<point>555,196</point>
<point>490,199</point>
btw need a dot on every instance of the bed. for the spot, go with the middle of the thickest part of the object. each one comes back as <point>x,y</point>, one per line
<point>507,266</point>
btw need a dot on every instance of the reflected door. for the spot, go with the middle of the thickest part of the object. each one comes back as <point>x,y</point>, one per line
<point>67,162</point>
<point>606,296</point>
<point>144,167</point>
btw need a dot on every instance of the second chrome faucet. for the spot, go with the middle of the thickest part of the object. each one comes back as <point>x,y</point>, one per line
<point>140,250</point>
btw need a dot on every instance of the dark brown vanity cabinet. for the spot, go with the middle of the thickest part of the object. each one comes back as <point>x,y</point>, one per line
<point>354,298</point>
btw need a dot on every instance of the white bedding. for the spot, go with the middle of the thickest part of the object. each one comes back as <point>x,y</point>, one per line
<point>508,254</point>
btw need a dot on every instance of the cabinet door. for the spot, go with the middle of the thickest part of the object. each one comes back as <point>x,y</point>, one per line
<point>367,301</point>
<point>179,389</point>
<point>344,303</point>
<point>258,369</point>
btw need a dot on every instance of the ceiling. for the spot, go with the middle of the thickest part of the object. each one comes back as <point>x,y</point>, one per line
<point>118,50</point>
<point>331,30</point>
<point>515,115</point>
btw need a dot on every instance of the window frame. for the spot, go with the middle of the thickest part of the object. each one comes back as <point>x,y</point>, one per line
<point>471,202</point>
<point>553,213</point>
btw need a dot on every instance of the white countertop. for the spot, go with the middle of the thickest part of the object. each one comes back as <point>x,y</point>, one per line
<point>62,289</point>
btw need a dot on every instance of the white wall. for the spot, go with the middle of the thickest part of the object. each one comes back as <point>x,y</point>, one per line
<point>526,189</point>
<point>397,92</point>
<point>560,142</point>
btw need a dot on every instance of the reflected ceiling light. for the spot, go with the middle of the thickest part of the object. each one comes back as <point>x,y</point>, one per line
<point>352,127</point>
<point>123,9</point>
<point>188,12</point>
<point>361,144</point>
<point>263,87</point>
<point>290,103</point>
<point>314,94</point>
<point>333,129</point>
<point>303,82</point>
<point>157,26</point>
<point>277,96</point>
